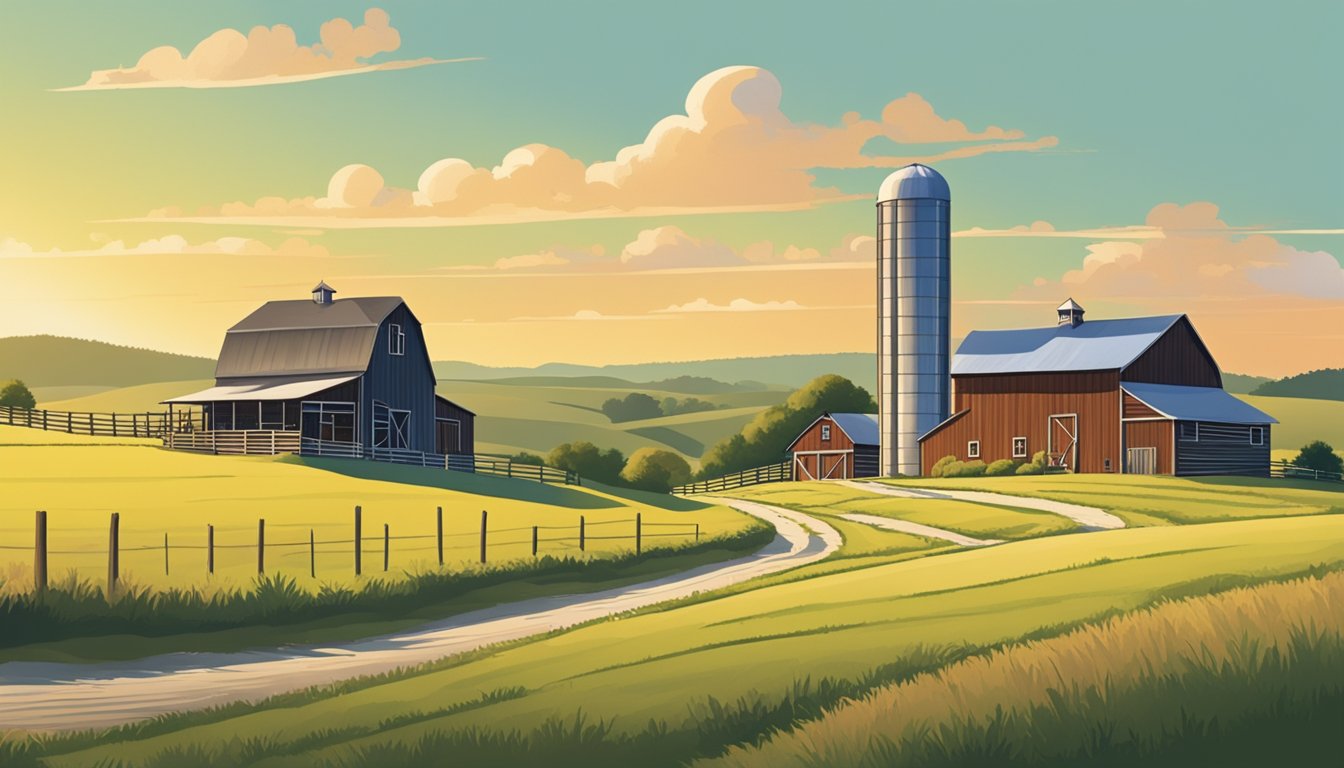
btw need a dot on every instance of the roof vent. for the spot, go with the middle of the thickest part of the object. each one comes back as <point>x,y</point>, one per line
<point>323,293</point>
<point>1070,314</point>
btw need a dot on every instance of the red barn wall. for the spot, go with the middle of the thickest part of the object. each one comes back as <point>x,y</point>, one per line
<point>811,439</point>
<point>1151,434</point>
<point>1177,358</point>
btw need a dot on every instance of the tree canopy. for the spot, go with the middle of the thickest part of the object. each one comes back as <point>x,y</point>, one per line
<point>655,469</point>
<point>16,395</point>
<point>589,461</point>
<point>1320,456</point>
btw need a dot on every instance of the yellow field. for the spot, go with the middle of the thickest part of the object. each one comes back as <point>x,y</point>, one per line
<point>80,481</point>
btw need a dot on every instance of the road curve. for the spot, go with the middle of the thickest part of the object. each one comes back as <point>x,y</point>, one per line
<point>927,531</point>
<point>1090,518</point>
<point>52,697</point>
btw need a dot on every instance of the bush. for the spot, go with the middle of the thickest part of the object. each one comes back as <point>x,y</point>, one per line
<point>527,458</point>
<point>589,461</point>
<point>655,469</point>
<point>17,395</point>
<point>940,466</point>
<point>1001,467</point>
<point>974,468</point>
<point>633,407</point>
<point>1320,456</point>
<point>671,406</point>
<point>1034,467</point>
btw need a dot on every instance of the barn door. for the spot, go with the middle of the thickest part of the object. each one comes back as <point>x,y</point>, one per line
<point>1062,447</point>
<point>1141,461</point>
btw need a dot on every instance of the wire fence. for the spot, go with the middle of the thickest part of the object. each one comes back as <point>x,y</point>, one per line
<point>548,539</point>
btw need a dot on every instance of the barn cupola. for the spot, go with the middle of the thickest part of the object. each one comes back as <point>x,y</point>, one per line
<point>323,293</point>
<point>1070,314</point>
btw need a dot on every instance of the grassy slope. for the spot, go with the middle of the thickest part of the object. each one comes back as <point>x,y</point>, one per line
<point>158,491</point>
<point>1301,420</point>
<point>1151,500</point>
<point>55,361</point>
<point>758,644</point>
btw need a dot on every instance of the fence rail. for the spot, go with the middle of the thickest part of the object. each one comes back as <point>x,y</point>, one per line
<point>502,466</point>
<point>499,466</point>
<point>234,442</point>
<point>772,473</point>
<point>146,424</point>
<point>1291,472</point>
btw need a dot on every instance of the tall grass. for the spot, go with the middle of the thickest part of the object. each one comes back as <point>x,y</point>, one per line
<point>1253,671</point>
<point>75,608</point>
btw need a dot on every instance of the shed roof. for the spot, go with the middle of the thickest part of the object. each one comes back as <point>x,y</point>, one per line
<point>287,338</point>
<point>1097,345</point>
<point>1210,404</point>
<point>861,427</point>
<point>269,388</point>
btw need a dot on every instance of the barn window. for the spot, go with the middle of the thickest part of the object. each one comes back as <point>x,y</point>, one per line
<point>1257,435</point>
<point>1190,431</point>
<point>973,449</point>
<point>396,340</point>
<point>825,431</point>
<point>1019,447</point>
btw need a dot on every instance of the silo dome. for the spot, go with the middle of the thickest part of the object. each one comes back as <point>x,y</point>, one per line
<point>912,182</point>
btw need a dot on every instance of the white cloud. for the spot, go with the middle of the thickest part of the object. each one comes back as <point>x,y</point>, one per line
<point>169,245</point>
<point>736,305</point>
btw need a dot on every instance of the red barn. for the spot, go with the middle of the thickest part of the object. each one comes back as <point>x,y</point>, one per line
<point>837,446</point>
<point>1138,395</point>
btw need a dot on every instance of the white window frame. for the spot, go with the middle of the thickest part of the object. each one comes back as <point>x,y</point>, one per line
<point>825,432</point>
<point>973,449</point>
<point>1023,453</point>
<point>1257,432</point>
<point>396,340</point>
<point>1182,438</point>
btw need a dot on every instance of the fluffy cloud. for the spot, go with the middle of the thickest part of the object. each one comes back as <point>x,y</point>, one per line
<point>264,56</point>
<point>170,245</point>
<point>1193,253</point>
<point>736,305</point>
<point>732,150</point>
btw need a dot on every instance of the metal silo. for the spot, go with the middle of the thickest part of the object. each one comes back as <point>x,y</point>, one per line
<point>913,309</point>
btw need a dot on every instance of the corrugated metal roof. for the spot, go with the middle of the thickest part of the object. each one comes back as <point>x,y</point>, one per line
<point>285,338</point>
<point>1098,345</point>
<point>270,388</point>
<point>861,427</point>
<point>1197,404</point>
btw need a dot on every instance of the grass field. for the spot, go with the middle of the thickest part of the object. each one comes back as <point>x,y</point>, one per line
<point>1302,420</point>
<point>79,481</point>
<point>1152,500</point>
<point>722,671</point>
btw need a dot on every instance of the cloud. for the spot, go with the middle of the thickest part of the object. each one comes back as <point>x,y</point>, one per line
<point>736,305</point>
<point>583,315</point>
<point>170,245</point>
<point>1196,254</point>
<point>1132,232</point>
<point>264,56</point>
<point>733,149</point>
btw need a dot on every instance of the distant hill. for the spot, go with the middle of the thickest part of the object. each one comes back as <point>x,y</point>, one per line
<point>1325,384</point>
<point>686,385</point>
<point>790,371</point>
<point>56,361</point>
<point>1241,384</point>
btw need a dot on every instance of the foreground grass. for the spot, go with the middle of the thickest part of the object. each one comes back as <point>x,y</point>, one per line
<point>1152,500</point>
<point>1252,676</point>
<point>685,683</point>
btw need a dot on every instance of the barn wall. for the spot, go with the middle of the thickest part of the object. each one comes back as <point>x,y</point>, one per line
<point>1150,434</point>
<point>1177,358</point>
<point>447,410</point>
<point>1222,449</point>
<point>403,382</point>
<point>811,439</point>
<point>865,461</point>
<point>1137,409</point>
<point>1017,405</point>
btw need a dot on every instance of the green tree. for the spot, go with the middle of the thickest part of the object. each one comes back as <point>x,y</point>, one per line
<point>527,458</point>
<point>655,469</point>
<point>632,407</point>
<point>589,461</point>
<point>16,395</point>
<point>764,440</point>
<point>671,406</point>
<point>1320,456</point>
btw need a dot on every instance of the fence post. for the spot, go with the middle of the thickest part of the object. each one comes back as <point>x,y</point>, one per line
<point>534,541</point>
<point>483,518</point>
<point>312,554</point>
<point>386,546</point>
<point>69,425</point>
<point>697,531</point>
<point>90,423</point>
<point>44,421</point>
<point>113,553</point>
<point>165,553</point>
<point>40,553</point>
<point>639,532</point>
<point>114,424</point>
<point>582,532</point>
<point>439,519</point>
<point>210,549</point>
<point>261,545</point>
<point>359,528</point>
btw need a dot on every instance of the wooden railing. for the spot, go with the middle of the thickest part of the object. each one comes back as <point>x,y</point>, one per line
<point>235,442</point>
<point>503,466</point>
<point>772,473</point>
<point>499,466</point>
<point>1292,472</point>
<point>147,424</point>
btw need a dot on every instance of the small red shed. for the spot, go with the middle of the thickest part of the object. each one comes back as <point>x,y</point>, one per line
<point>837,446</point>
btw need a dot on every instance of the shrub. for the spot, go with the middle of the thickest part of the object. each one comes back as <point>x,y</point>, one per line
<point>527,458</point>
<point>589,461</point>
<point>1001,467</point>
<point>1034,467</point>
<point>633,407</point>
<point>671,406</point>
<point>17,395</point>
<point>655,469</point>
<point>974,468</point>
<point>1319,455</point>
<point>940,466</point>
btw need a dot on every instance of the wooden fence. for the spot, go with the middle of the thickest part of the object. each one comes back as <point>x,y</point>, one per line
<point>1290,472</point>
<point>627,529</point>
<point>147,424</point>
<point>234,442</point>
<point>499,466</point>
<point>772,473</point>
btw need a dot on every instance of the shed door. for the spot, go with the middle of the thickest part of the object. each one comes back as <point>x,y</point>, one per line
<point>1062,450</point>
<point>1141,461</point>
<point>447,436</point>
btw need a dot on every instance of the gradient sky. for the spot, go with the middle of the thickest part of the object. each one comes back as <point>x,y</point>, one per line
<point>1179,157</point>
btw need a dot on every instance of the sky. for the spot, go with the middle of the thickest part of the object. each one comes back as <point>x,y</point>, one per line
<point>598,182</point>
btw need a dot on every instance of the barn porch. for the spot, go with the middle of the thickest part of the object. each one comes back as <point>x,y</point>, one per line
<point>270,416</point>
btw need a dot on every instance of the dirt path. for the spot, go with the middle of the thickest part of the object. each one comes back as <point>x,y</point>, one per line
<point>927,531</point>
<point>48,697</point>
<point>1090,518</point>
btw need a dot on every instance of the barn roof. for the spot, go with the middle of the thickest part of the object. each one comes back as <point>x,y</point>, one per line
<point>1096,345</point>
<point>268,388</point>
<point>1210,404</point>
<point>288,338</point>
<point>861,427</point>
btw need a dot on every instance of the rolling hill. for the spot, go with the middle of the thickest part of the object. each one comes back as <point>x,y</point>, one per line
<point>57,361</point>
<point>1325,384</point>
